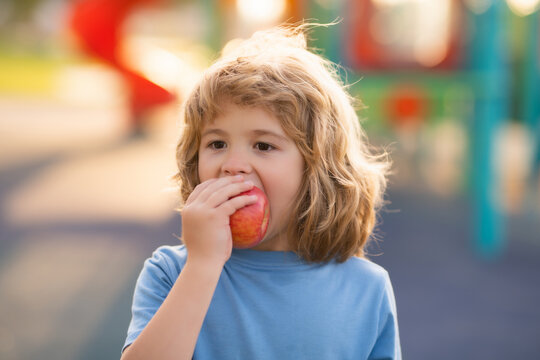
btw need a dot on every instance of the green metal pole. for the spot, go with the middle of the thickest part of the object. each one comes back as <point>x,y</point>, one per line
<point>491,107</point>
<point>531,89</point>
<point>214,34</point>
<point>328,39</point>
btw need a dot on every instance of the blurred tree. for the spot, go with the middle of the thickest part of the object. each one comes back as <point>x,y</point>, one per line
<point>22,9</point>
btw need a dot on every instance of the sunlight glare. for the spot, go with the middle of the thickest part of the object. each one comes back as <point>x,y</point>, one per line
<point>523,7</point>
<point>419,30</point>
<point>261,11</point>
<point>161,67</point>
<point>431,45</point>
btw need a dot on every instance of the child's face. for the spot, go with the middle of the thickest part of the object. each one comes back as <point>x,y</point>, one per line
<point>251,142</point>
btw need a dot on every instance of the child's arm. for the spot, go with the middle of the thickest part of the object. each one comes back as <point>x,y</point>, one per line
<point>387,346</point>
<point>173,331</point>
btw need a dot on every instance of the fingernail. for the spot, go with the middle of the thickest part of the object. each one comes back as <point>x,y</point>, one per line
<point>250,183</point>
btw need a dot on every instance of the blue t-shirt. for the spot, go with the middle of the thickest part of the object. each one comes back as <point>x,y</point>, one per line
<point>273,305</point>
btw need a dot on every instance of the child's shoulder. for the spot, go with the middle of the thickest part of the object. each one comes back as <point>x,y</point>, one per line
<point>170,251</point>
<point>365,268</point>
<point>169,259</point>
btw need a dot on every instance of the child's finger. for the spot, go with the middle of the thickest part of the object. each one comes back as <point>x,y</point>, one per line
<point>230,206</point>
<point>200,188</point>
<point>227,192</point>
<point>218,184</point>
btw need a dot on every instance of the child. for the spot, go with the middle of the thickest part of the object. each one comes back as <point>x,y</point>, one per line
<point>270,114</point>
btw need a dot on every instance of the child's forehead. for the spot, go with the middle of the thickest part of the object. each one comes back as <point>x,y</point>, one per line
<point>229,108</point>
<point>251,118</point>
<point>243,114</point>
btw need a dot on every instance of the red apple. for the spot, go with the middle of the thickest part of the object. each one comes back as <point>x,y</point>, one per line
<point>249,224</point>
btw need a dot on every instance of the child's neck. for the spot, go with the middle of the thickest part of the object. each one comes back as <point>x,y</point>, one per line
<point>275,243</point>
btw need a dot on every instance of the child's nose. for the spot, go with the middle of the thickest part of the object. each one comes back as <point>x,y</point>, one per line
<point>236,164</point>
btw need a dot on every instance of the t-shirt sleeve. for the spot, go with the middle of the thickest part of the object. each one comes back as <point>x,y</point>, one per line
<point>387,345</point>
<point>154,283</point>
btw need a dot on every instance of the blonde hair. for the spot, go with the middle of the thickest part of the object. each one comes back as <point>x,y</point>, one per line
<point>335,209</point>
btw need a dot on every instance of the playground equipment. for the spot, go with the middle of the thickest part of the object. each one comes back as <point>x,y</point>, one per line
<point>98,24</point>
<point>415,63</point>
<point>421,63</point>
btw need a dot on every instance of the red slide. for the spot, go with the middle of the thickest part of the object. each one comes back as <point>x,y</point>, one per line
<point>98,25</point>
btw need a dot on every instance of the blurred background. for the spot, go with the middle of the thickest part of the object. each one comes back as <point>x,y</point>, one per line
<point>90,94</point>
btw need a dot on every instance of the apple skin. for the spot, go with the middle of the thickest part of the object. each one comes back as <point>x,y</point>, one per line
<point>249,224</point>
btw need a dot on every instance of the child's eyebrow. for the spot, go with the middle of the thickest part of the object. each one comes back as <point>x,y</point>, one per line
<point>214,131</point>
<point>270,133</point>
<point>257,132</point>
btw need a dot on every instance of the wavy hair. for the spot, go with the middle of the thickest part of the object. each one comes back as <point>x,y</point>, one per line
<point>335,210</point>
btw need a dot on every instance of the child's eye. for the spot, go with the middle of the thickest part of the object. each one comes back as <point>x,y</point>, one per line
<point>261,146</point>
<point>217,145</point>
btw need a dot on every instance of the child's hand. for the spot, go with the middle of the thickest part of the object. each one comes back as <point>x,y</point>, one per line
<point>205,218</point>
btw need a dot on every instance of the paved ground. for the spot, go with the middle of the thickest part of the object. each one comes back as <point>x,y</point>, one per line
<point>451,304</point>
<point>81,209</point>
